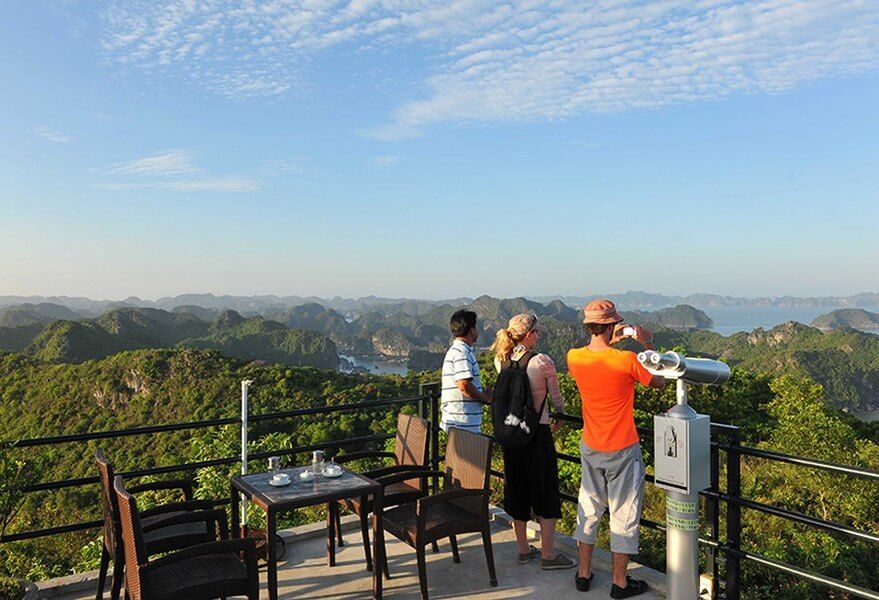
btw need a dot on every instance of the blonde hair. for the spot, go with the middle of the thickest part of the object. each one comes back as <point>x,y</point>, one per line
<point>512,335</point>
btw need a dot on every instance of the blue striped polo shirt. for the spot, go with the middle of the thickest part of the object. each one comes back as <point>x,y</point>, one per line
<point>457,411</point>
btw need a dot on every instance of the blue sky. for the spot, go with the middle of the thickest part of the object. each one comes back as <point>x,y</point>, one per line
<point>438,149</point>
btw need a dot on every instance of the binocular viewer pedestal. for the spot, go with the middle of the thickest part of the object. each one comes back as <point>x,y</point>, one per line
<point>682,453</point>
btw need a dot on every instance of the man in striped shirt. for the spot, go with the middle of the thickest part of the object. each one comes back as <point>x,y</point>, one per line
<point>463,394</point>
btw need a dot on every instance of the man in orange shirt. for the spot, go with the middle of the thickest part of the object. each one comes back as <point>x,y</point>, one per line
<point>610,453</point>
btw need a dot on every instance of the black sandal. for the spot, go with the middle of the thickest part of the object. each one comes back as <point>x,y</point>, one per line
<point>633,588</point>
<point>583,583</point>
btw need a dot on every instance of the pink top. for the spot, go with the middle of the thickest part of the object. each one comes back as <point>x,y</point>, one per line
<point>543,378</point>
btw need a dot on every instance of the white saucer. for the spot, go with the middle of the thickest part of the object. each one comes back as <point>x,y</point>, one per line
<point>279,483</point>
<point>306,476</point>
<point>331,475</point>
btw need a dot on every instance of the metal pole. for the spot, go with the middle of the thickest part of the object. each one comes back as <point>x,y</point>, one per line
<point>423,391</point>
<point>434,432</point>
<point>733,516</point>
<point>245,388</point>
<point>682,519</point>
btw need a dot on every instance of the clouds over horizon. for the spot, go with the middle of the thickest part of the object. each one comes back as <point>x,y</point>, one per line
<point>517,61</point>
<point>173,171</point>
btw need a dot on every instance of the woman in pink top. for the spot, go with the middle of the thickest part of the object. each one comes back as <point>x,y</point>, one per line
<point>531,477</point>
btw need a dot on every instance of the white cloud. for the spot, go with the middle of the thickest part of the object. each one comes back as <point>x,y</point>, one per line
<point>171,168</point>
<point>384,161</point>
<point>53,136</point>
<point>514,61</point>
<point>222,184</point>
<point>175,162</point>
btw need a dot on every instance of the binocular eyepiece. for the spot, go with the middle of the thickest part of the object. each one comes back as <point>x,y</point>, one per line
<point>672,365</point>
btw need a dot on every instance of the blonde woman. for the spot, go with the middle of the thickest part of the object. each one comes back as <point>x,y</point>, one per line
<point>531,478</point>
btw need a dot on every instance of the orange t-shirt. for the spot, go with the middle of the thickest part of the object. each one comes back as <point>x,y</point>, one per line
<point>606,380</point>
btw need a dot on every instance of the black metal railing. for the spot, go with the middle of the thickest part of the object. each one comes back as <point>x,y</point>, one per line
<point>723,547</point>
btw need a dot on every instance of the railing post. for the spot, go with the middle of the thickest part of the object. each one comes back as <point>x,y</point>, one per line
<point>424,403</point>
<point>733,515</point>
<point>245,409</point>
<point>712,506</point>
<point>432,391</point>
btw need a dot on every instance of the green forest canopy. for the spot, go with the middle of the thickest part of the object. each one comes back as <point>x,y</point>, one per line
<point>141,387</point>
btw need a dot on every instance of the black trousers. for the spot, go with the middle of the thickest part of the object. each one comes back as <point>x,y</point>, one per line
<point>531,479</point>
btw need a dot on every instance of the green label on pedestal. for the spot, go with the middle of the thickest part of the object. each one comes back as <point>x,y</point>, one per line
<point>681,524</point>
<point>680,507</point>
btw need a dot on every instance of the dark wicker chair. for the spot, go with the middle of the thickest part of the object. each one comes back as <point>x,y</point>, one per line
<point>201,572</point>
<point>410,450</point>
<point>160,533</point>
<point>461,508</point>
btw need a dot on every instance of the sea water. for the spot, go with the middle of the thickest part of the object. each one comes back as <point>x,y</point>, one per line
<point>733,319</point>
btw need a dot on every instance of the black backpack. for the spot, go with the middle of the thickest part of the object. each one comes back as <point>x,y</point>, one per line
<point>512,407</point>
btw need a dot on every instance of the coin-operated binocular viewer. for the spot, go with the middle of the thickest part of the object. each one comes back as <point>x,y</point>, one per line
<point>682,455</point>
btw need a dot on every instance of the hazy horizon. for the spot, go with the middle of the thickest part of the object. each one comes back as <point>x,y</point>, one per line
<point>428,299</point>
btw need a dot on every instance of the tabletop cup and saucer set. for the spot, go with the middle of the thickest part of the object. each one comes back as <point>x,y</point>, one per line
<point>319,465</point>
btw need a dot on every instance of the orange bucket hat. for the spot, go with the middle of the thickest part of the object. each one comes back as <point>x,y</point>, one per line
<point>602,312</point>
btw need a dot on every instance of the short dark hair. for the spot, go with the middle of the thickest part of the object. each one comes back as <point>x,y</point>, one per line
<point>598,328</point>
<point>462,322</point>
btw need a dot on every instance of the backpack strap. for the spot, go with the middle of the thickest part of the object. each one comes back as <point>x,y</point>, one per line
<point>524,365</point>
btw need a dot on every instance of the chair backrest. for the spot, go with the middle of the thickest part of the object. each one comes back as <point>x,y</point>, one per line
<point>410,447</point>
<point>109,506</point>
<point>134,547</point>
<point>468,459</point>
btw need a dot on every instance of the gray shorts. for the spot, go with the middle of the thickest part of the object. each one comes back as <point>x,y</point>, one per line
<point>613,480</point>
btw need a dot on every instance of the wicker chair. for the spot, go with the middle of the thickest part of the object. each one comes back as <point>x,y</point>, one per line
<point>461,508</point>
<point>201,572</point>
<point>160,534</point>
<point>410,450</point>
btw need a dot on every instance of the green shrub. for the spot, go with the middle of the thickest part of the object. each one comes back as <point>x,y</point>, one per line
<point>11,589</point>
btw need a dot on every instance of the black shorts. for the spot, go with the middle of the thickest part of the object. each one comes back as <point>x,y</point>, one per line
<point>531,479</point>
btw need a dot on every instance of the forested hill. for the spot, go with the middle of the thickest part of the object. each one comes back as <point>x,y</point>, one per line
<point>844,361</point>
<point>68,341</point>
<point>847,317</point>
<point>30,314</point>
<point>153,387</point>
<point>425,330</point>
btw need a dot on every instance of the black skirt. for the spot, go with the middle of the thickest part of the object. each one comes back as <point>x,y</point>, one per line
<point>531,479</point>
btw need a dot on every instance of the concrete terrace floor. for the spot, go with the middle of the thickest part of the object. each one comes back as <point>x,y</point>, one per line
<point>303,572</point>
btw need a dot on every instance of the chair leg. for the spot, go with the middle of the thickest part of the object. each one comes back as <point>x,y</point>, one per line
<point>118,577</point>
<point>422,571</point>
<point>453,541</point>
<point>102,574</point>
<point>339,539</point>
<point>364,530</point>
<point>435,547</point>
<point>385,569</point>
<point>489,555</point>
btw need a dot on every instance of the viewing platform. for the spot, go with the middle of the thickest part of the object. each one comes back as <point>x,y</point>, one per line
<point>303,572</point>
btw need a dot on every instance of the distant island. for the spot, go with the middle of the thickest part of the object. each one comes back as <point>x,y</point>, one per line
<point>857,318</point>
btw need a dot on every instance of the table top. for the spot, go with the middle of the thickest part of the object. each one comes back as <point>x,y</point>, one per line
<point>303,493</point>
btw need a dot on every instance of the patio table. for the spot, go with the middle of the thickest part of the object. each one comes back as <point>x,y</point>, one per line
<point>299,493</point>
